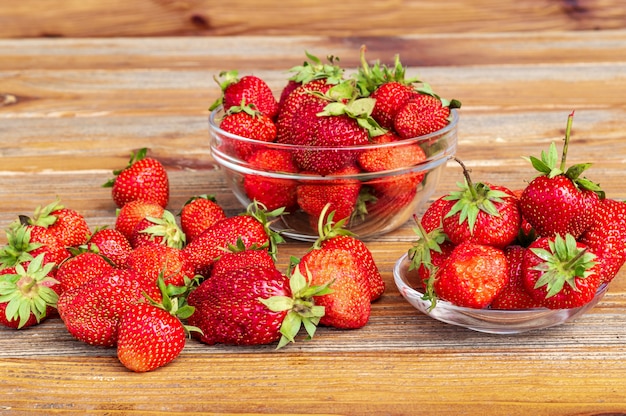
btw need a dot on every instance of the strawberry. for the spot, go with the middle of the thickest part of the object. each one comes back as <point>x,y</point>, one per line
<point>333,236</point>
<point>144,178</point>
<point>390,159</point>
<point>342,195</point>
<point>68,225</point>
<point>559,201</point>
<point>254,305</point>
<point>130,214</point>
<point>91,312</point>
<point>472,276</point>
<point>272,192</point>
<point>250,89</point>
<point>153,260</point>
<point>349,304</point>
<point>111,244</point>
<point>310,70</point>
<point>481,213</point>
<point>158,230</point>
<point>251,227</point>
<point>514,295</point>
<point>423,114</point>
<point>606,237</point>
<point>560,272</point>
<point>77,270</point>
<point>433,216</point>
<point>199,213</point>
<point>151,333</point>
<point>428,251</point>
<point>245,121</point>
<point>25,242</point>
<point>238,257</point>
<point>28,292</point>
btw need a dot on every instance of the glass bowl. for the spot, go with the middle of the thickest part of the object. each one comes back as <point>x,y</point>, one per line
<point>389,197</point>
<point>491,321</point>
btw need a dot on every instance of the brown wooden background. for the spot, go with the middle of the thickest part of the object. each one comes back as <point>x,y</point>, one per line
<point>130,18</point>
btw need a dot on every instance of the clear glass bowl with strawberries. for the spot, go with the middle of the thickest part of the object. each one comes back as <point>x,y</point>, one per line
<point>374,202</point>
<point>493,321</point>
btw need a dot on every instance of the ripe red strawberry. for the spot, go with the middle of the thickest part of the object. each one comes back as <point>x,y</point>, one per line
<point>560,272</point>
<point>422,114</point>
<point>149,337</point>
<point>69,226</point>
<point>28,293</point>
<point>333,236</point>
<point>244,121</point>
<point>153,260</point>
<point>144,178</point>
<point>559,201</point>
<point>341,194</point>
<point>472,276</point>
<point>514,295</point>
<point>111,244</point>
<point>251,227</point>
<point>240,257</point>
<point>130,214</point>
<point>254,305</point>
<point>25,242</point>
<point>390,97</point>
<point>199,213</point>
<point>429,250</point>
<point>298,115</point>
<point>390,159</point>
<point>158,230</point>
<point>91,312</point>
<point>77,270</point>
<point>348,305</point>
<point>606,237</point>
<point>313,69</point>
<point>481,213</point>
<point>272,192</point>
<point>433,216</point>
<point>250,89</point>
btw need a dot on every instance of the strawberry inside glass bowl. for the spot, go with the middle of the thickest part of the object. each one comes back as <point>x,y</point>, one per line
<point>491,321</point>
<point>373,202</point>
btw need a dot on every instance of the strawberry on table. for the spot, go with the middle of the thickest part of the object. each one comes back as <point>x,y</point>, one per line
<point>69,226</point>
<point>111,244</point>
<point>133,212</point>
<point>158,230</point>
<point>254,305</point>
<point>560,272</point>
<point>144,178</point>
<point>199,213</point>
<point>154,260</point>
<point>80,268</point>
<point>25,242</point>
<point>560,201</point>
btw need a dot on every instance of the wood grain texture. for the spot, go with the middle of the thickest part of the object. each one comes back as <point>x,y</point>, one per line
<point>72,110</point>
<point>115,18</point>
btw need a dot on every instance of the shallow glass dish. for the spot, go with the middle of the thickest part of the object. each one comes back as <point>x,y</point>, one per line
<point>491,321</point>
<point>392,205</point>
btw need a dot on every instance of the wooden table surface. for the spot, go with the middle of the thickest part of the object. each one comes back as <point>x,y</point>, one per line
<point>72,110</point>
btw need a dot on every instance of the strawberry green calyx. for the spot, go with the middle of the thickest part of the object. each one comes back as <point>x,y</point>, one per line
<point>167,228</point>
<point>224,80</point>
<point>473,198</point>
<point>301,307</point>
<point>258,211</point>
<point>174,300</point>
<point>43,215</point>
<point>562,264</point>
<point>369,78</point>
<point>18,247</point>
<point>550,165</point>
<point>314,69</point>
<point>27,292</point>
<point>327,228</point>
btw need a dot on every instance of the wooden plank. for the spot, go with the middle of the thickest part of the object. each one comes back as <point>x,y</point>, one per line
<point>93,18</point>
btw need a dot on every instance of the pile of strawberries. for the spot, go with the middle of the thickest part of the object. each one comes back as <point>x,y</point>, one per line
<point>321,107</point>
<point>551,244</point>
<point>155,278</point>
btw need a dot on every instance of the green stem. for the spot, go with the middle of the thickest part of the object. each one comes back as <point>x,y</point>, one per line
<point>568,131</point>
